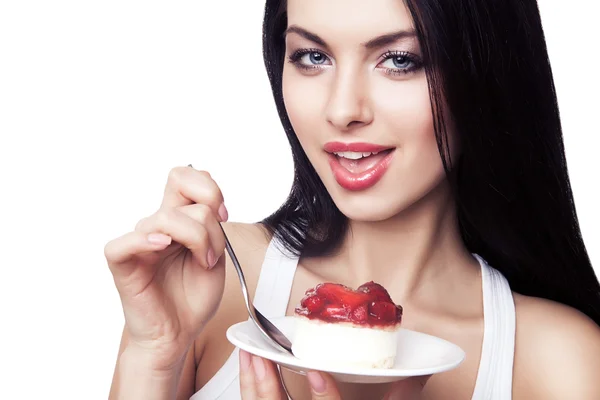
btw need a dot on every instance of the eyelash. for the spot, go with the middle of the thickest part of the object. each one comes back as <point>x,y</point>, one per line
<point>296,56</point>
<point>416,63</point>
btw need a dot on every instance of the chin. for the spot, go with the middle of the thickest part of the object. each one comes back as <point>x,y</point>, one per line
<point>380,205</point>
<point>367,211</point>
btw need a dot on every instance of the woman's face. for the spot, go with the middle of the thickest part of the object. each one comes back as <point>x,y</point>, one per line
<point>353,85</point>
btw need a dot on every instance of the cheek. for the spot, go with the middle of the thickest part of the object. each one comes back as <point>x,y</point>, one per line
<point>405,109</point>
<point>304,101</point>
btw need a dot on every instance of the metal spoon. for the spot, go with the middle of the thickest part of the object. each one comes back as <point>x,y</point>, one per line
<point>265,326</point>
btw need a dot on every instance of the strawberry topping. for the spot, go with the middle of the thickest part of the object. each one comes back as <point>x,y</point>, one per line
<point>370,304</point>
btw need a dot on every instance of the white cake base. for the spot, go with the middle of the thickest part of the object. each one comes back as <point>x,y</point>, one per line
<point>344,344</point>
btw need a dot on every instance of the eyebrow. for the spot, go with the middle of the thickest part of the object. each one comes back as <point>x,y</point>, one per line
<point>379,41</point>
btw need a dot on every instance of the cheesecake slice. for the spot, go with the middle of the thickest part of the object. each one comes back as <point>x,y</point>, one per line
<point>338,326</point>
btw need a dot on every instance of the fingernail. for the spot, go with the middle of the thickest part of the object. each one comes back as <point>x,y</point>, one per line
<point>317,383</point>
<point>223,212</point>
<point>159,239</point>
<point>211,258</point>
<point>259,368</point>
<point>244,360</point>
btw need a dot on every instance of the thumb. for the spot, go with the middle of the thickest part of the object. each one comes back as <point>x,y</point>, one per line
<point>322,386</point>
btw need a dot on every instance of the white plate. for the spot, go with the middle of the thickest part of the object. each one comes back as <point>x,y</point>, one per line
<point>418,354</point>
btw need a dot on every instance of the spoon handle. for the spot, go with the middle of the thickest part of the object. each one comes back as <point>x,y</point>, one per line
<point>240,273</point>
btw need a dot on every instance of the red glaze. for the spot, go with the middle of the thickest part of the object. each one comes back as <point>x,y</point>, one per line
<point>369,305</point>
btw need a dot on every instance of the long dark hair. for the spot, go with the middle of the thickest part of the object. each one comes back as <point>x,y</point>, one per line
<point>487,60</point>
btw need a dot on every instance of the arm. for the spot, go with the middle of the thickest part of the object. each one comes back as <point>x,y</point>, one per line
<point>136,368</point>
<point>558,352</point>
<point>170,280</point>
<point>138,375</point>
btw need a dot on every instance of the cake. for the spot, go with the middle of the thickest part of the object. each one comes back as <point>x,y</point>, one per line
<point>338,326</point>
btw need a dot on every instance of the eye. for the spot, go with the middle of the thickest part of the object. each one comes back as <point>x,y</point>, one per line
<point>314,57</point>
<point>309,58</point>
<point>399,62</point>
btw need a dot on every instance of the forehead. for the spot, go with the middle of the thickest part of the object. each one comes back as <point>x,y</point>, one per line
<point>353,20</point>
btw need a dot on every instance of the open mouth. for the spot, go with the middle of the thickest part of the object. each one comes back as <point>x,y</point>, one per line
<point>358,166</point>
<point>359,162</point>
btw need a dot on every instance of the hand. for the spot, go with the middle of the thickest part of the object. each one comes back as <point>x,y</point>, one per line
<point>259,379</point>
<point>168,271</point>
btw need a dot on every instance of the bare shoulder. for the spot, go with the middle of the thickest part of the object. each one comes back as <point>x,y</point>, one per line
<point>557,353</point>
<point>211,348</point>
<point>247,236</point>
<point>249,242</point>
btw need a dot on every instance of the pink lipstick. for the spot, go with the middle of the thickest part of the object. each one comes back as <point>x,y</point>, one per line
<point>358,166</point>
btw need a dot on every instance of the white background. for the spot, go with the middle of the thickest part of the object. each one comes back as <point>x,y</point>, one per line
<point>98,100</point>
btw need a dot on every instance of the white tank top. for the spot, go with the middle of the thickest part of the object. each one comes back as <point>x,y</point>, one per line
<point>494,377</point>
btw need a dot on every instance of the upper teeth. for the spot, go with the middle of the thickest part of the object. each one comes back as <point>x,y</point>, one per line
<point>353,155</point>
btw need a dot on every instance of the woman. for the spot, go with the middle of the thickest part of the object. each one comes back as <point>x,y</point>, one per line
<point>465,212</point>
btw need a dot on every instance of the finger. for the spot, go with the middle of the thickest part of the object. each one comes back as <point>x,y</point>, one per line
<point>268,383</point>
<point>322,386</point>
<point>247,382</point>
<point>407,389</point>
<point>203,214</point>
<point>187,185</point>
<point>124,248</point>
<point>182,229</point>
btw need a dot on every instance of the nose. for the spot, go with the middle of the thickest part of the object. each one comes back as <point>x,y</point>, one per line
<point>348,106</point>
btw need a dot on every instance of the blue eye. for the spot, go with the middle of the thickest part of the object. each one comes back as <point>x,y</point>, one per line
<point>309,59</point>
<point>399,62</point>
<point>315,57</point>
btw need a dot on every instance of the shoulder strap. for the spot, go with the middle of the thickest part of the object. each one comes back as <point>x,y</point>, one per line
<point>275,280</point>
<point>494,378</point>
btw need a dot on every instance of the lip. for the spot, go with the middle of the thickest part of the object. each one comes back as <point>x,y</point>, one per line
<point>332,147</point>
<point>362,180</point>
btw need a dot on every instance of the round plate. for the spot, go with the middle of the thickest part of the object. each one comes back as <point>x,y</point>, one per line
<point>418,354</point>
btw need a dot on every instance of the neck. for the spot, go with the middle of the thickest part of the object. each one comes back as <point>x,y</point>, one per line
<point>407,251</point>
